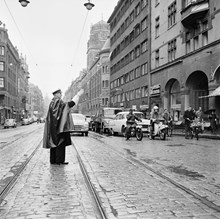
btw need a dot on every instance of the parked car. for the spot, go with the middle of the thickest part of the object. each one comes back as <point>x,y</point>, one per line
<point>118,124</point>
<point>25,121</point>
<point>80,125</point>
<point>10,123</point>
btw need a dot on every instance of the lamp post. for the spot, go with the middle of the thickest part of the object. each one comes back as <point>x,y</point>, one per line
<point>24,3</point>
<point>89,5</point>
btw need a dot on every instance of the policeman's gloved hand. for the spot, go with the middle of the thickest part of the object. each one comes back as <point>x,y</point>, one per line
<point>76,97</point>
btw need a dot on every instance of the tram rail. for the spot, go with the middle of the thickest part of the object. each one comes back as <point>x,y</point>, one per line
<point>136,161</point>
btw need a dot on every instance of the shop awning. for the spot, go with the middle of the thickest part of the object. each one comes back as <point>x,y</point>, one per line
<point>214,93</point>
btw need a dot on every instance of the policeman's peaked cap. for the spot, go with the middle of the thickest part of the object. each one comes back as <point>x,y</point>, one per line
<point>56,91</point>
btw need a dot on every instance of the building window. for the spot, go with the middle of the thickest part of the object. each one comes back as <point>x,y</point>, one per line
<point>138,93</point>
<point>172,14</point>
<point>132,55</point>
<point>137,10</point>
<point>157,58</point>
<point>132,16</point>
<point>131,75</point>
<point>2,50</point>
<point>137,51</point>
<point>144,4</point>
<point>172,50</point>
<point>196,42</point>
<point>144,24</point>
<point>144,69</point>
<point>2,84</point>
<point>2,66</point>
<point>137,30</point>
<point>144,92</point>
<point>157,26</point>
<point>205,38</point>
<point>132,36</point>
<point>144,46</point>
<point>137,72</point>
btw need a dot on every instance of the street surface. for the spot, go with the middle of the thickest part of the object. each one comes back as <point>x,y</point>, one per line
<point>125,188</point>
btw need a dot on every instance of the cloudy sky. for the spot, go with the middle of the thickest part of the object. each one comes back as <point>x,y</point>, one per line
<point>53,36</point>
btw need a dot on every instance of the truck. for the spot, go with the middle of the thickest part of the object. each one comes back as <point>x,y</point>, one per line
<point>100,122</point>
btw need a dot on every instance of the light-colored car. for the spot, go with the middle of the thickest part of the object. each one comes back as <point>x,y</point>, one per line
<point>80,124</point>
<point>10,123</point>
<point>25,121</point>
<point>118,124</point>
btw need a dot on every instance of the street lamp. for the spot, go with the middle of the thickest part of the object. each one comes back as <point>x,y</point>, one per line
<point>89,5</point>
<point>24,3</point>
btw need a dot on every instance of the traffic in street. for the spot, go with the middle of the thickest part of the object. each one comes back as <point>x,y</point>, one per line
<point>172,178</point>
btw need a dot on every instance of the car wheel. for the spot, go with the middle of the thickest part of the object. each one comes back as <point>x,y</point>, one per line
<point>123,129</point>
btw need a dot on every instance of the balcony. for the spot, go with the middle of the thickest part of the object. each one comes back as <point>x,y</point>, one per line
<point>194,10</point>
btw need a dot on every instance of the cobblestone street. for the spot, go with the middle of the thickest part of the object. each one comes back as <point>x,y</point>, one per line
<point>49,191</point>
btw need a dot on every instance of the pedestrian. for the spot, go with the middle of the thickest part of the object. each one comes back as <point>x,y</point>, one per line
<point>188,116</point>
<point>57,127</point>
<point>213,121</point>
<point>199,115</point>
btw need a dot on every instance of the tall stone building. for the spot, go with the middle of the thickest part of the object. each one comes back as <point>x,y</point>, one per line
<point>185,55</point>
<point>98,35</point>
<point>13,79</point>
<point>129,61</point>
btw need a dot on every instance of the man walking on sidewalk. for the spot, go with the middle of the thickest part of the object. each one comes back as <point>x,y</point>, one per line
<point>57,127</point>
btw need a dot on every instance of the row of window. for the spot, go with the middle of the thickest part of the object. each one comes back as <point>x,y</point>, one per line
<point>138,29</point>
<point>130,95</point>
<point>132,55</point>
<point>140,6</point>
<point>131,75</point>
<point>129,20</point>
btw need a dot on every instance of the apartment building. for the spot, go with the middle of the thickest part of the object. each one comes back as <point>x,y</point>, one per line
<point>130,46</point>
<point>185,55</point>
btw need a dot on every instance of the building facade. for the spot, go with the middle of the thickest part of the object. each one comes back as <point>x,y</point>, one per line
<point>129,60</point>
<point>9,67</point>
<point>185,55</point>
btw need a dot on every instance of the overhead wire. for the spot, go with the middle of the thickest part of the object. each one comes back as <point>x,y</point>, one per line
<point>18,29</point>
<point>80,37</point>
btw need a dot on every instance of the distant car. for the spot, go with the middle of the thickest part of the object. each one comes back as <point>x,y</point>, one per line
<point>42,120</point>
<point>118,124</point>
<point>10,123</point>
<point>25,121</point>
<point>80,125</point>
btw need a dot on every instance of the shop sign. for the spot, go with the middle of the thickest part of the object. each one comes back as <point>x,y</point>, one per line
<point>144,107</point>
<point>155,90</point>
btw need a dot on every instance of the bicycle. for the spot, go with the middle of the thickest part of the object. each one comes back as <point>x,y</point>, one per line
<point>170,128</point>
<point>196,129</point>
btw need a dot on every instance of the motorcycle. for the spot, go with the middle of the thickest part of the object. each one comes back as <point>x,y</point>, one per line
<point>134,131</point>
<point>160,130</point>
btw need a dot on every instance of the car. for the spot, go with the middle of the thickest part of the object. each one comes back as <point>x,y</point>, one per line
<point>80,125</point>
<point>25,121</point>
<point>118,124</point>
<point>10,123</point>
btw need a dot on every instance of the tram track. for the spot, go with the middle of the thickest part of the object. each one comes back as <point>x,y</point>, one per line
<point>12,181</point>
<point>139,163</point>
<point>91,188</point>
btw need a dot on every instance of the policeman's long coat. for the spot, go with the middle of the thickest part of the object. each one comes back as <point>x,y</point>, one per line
<point>58,124</point>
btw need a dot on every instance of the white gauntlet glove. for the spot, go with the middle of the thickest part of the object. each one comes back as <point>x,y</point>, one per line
<point>76,97</point>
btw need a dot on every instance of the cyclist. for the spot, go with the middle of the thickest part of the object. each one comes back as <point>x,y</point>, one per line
<point>189,116</point>
<point>168,119</point>
<point>131,117</point>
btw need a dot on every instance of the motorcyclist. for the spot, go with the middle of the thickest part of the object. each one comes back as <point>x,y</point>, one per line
<point>131,117</point>
<point>154,117</point>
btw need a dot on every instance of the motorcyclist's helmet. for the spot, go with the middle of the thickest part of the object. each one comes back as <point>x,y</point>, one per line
<point>155,108</point>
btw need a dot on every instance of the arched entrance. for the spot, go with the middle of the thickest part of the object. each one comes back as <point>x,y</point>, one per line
<point>172,101</point>
<point>197,86</point>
